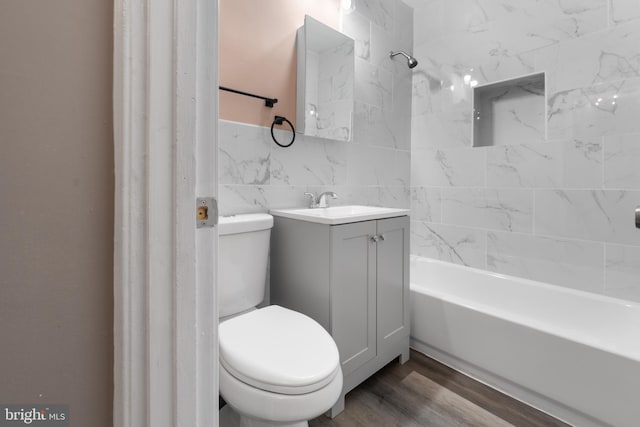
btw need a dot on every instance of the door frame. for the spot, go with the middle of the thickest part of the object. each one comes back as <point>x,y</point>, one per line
<point>165,143</point>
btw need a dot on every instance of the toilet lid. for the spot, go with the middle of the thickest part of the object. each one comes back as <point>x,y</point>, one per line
<point>278,350</point>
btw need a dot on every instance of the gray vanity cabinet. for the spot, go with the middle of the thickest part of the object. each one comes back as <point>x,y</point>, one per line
<point>354,280</point>
<point>392,275</point>
<point>353,293</point>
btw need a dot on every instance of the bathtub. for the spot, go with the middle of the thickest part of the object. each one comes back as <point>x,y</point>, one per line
<point>571,354</point>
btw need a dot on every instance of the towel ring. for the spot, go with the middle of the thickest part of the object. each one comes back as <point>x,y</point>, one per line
<point>278,120</point>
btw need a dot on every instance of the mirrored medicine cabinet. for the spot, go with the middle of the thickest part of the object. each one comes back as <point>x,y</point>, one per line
<point>325,87</point>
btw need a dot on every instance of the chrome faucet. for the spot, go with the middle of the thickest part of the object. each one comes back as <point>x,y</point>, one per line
<point>321,200</point>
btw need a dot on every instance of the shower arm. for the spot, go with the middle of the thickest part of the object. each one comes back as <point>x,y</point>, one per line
<point>392,54</point>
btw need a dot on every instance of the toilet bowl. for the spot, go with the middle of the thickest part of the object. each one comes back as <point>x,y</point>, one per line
<point>278,367</point>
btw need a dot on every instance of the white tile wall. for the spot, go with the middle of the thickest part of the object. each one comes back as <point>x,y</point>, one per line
<point>447,167</point>
<point>572,263</point>
<point>601,57</point>
<point>373,84</point>
<point>245,155</point>
<point>488,208</point>
<point>623,272</point>
<point>358,28</point>
<point>575,163</point>
<point>381,13</point>
<point>602,109</point>
<point>309,161</point>
<point>426,204</point>
<point>559,210</point>
<point>622,11</point>
<point>460,245</point>
<point>622,161</point>
<point>601,215</point>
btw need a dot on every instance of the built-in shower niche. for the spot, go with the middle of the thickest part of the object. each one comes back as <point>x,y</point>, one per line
<point>510,111</point>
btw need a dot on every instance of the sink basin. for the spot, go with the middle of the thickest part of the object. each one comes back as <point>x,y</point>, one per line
<point>340,214</point>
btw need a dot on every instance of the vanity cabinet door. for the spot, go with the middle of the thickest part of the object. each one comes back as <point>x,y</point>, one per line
<point>392,282</point>
<point>353,293</point>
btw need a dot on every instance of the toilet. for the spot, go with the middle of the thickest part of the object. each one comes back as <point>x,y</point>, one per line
<point>278,367</point>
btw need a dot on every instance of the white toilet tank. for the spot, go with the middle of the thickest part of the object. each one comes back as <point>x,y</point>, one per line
<point>242,267</point>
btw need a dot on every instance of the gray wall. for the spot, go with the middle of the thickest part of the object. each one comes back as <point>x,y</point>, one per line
<point>56,213</point>
<point>555,202</point>
<point>256,175</point>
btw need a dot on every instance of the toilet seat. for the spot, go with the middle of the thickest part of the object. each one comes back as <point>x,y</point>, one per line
<point>278,350</point>
<point>259,404</point>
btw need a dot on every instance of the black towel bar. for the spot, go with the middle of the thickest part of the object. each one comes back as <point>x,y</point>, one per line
<point>268,102</point>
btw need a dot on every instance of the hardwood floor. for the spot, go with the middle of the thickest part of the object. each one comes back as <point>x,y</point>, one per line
<point>425,393</point>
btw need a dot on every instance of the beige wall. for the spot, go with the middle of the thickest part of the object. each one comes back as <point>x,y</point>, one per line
<point>56,207</point>
<point>258,55</point>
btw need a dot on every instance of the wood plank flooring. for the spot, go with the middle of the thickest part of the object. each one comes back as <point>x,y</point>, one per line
<point>425,393</point>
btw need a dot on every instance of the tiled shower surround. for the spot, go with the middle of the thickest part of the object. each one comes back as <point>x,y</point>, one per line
<point>374,168</point>
<point>560,210</point>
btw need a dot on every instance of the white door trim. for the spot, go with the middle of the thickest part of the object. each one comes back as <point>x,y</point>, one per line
<point>165,133</point>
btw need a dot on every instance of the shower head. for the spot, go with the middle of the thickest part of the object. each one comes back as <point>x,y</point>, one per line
<point>411,61</point>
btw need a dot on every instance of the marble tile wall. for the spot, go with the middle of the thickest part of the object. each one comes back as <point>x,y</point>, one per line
<point>559,210</point>
<point>256,175</point>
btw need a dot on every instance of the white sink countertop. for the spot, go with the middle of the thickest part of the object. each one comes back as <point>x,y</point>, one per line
<point>339,214</point>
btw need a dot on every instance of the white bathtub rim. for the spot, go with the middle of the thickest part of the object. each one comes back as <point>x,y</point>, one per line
<point>527,321</point>
<point>528,397</point>
<point>523,320</point>
<point>558,288</point>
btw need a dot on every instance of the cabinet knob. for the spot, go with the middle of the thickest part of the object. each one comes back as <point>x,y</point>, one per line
<point>377,238</point>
